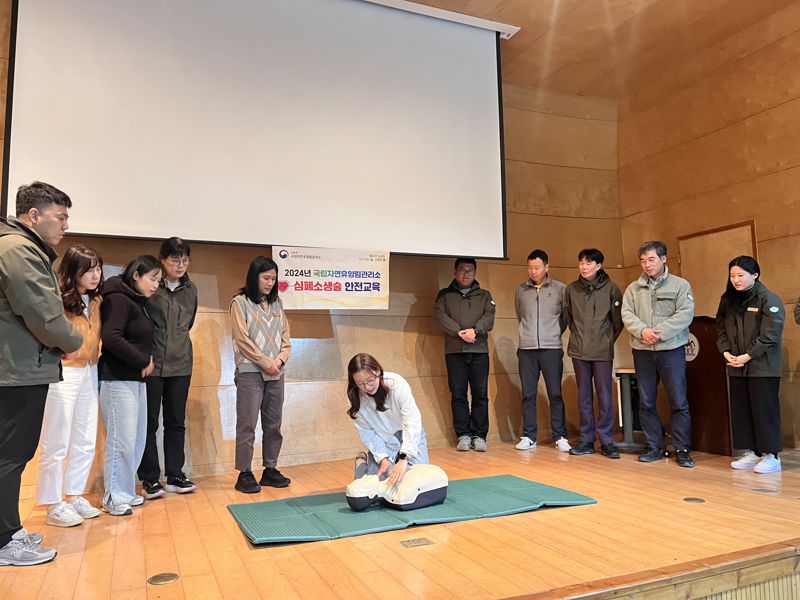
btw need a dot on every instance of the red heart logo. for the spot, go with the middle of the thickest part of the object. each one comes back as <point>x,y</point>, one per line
<point>283,286</point>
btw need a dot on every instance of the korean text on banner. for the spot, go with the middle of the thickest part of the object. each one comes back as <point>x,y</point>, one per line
<point>327,278</point>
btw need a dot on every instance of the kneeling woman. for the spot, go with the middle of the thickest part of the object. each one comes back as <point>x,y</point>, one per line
<point>387,420</point>
<point>749,327</point>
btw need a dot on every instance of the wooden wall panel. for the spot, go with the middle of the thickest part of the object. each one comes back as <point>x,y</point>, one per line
<point>554,103</point>
<point>556,140</point>
<point>715,102</point>
<point>561,191</point>
<point>763,144</point>
<point>562,238</point>
<point>666,80</point>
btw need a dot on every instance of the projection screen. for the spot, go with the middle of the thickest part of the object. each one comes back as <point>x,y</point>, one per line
<point>326,123</point>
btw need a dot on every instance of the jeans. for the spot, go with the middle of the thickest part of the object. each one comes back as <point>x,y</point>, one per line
<point>600,372</point>
<point>171,393</point>
<point>21,413</point>
<point>124,408</point>
<point>668,366</point>
<point>469,369</point>
<point>550,363</point>
<point>371,466</point>
<point>69,434</point>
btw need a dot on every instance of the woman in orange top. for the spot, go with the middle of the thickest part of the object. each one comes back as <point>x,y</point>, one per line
<point>69,429</point>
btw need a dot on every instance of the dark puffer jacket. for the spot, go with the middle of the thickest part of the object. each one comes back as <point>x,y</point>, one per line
<point>173,313</point>
<point>455,311</point>
<point>595,317</point>
<point>751,323</point>
<point>127,333</point>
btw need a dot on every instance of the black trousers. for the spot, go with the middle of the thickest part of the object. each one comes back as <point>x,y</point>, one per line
<point>171,394</point>
<point>21,414</point>
<point>756,413</point>
<point>550,364</point>
<point>469,370</point>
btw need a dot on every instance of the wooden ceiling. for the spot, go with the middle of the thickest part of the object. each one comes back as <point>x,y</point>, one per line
<point>608,47</point>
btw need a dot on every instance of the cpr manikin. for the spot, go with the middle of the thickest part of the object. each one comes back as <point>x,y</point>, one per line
<point>422,485</point>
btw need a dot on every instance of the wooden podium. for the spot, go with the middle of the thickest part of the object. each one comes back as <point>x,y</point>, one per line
<point>707,390</point>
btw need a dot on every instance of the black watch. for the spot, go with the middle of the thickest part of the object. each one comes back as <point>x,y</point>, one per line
<point>400,456</point>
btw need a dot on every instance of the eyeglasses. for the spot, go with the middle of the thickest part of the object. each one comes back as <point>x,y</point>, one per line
<point>366,382</point>
<point>180,262</point>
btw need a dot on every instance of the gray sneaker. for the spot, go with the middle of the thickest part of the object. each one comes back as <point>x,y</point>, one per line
<point>21,551</point>
<point>120,509</point>
<point>479,444</point>
<point>464,443</point>
<point>36,537</point>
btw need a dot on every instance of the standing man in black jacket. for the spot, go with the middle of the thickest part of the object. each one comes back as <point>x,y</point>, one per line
<point>465,312</point>
<point>594,308</point>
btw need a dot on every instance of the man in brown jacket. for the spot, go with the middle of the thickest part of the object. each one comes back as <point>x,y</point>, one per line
<point>34,333</point>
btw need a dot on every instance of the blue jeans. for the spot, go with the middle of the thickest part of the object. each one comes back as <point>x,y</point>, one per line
<point>124,408</point>
<point>668,366</point>
<point>371,466</point>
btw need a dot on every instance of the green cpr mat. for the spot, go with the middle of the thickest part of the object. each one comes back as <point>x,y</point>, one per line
<point>327,516</point>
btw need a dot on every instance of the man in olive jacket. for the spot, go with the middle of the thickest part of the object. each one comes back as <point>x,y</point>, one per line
<point>593,304</point>
<point>34,333</point>
<point>465,312</point>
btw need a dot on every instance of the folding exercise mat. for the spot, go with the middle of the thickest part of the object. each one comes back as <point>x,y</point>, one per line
<point>327,516</point>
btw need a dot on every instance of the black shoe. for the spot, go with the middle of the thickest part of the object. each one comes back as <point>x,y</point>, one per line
<point>609,450</point>
<point>650,455</point>
<point>274,478</point>
<point>152,489</point>
<point>582,448</point>
<point>246,483</point>
<point>180,485</point>
<point>683,459</point>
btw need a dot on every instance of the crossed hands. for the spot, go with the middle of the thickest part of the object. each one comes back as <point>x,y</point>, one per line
<point>650,336</point>
<point>275,368</point>
<point>737,362</point>
<point>397,473</point>
<point>468,335</point>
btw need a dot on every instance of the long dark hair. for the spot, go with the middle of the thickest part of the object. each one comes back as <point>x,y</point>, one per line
<point>76,262</point>
<point>745,263</point>
<point>140,265</point>
<point>260,265</point>
<point>364,362</point>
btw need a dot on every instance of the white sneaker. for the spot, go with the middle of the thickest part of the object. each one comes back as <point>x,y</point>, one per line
<point>63,515</point>
<point>768,464</point>
<point>83,508</point>
<point>748,460</point>
<point>137,500</point>
<point>563,445</point>
<point>21,551</point>
<point>117,510</point>
<point>525,443</point>
<point>464,443</point>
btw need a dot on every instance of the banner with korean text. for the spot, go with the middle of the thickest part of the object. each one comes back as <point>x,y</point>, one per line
<point>327,278</point>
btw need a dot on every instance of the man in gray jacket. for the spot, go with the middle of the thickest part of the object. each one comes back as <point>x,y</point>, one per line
<point>34,333</point>
<point>465,312</point>
<point>542,317</point>
<point>657,310</point>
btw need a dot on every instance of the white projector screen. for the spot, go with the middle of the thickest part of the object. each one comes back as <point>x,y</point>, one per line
<point>326,123</point>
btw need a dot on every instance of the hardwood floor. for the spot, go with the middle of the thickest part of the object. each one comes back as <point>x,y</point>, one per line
<point>640,523</point>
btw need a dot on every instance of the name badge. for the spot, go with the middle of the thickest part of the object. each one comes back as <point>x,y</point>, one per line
<point>752,309</point>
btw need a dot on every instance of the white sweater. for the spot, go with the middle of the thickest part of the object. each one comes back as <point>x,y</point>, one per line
<point>377,429</point>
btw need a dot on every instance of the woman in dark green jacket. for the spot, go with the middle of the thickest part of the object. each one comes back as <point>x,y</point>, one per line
<point>172,309</point>
<point>749,327</point>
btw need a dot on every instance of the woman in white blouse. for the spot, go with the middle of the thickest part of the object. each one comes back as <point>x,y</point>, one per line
<point>387,420</point>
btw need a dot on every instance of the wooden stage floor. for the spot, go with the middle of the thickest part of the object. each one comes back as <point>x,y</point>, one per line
<point>640,529</point>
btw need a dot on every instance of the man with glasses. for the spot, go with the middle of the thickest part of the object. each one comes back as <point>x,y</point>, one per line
<point>657,310</point>
<point>465,312</point>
